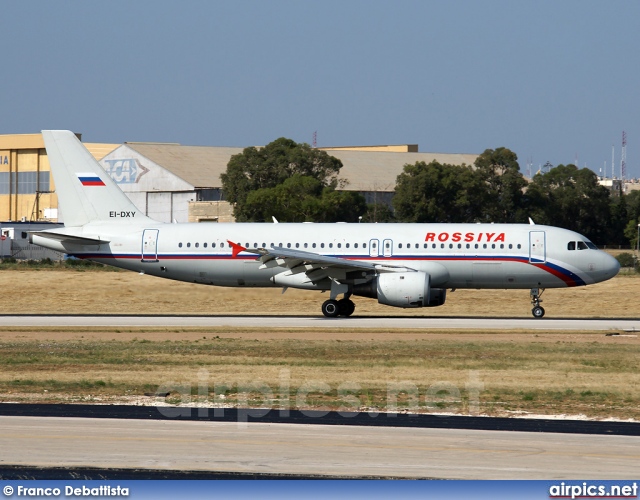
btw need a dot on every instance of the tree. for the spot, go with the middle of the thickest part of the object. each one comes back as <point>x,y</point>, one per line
<point>499,170</point>
<point>571,198</point>
<point>267,167</point>
<point>619,220</point>
<point>378,212</point>
<point>303,199</point>
<point>437,192</point>
<point>309,172</point>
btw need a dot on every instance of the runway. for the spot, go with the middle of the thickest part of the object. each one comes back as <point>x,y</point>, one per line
<point>371,322</point>
<point>334,450</point>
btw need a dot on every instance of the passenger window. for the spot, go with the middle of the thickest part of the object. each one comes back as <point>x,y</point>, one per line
<point>364,245</point>
<point>433,246</point>
<point>582,245</point>
<point>204,245</point>
<point>501,245</point>
<point>188,245</point>
<point>399,245</point>
<point>355,245</point>
<point>347,245</point>
<point>197,245</point>
<point>288,245</point>
<point>476,245</point>
<point>180,245</point>
<point>330,245</point>
<point>450,245</point>
<point>306,245</point>
<point>459,245</point>
<point>213,245</point>
<point>297,245</point>
<point>468,246</point>
<point>484,246</point>
<point>493,245</point>
<point>221,245</point>
<point>314,245</point>
<point>321,245</point>
<point>246,245</point>
<point>510,246</point>
<point>339,245</point>
<point>519,246</point>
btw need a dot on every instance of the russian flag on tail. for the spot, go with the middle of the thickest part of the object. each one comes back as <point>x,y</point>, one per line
<point>90,179</point>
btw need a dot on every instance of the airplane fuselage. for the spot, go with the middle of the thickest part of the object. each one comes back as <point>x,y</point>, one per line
<point>455,255</point>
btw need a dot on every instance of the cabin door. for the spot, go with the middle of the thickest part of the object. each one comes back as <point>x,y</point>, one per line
<point>537,247</point>
<point>150,245</point>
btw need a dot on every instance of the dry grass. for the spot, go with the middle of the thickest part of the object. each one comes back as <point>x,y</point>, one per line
<point>90,291</point>
<point>547,373</point>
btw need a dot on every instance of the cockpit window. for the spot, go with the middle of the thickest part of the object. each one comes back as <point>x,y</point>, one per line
<point>582,245</point>
<point>571,245</point>
<point>591,245</point>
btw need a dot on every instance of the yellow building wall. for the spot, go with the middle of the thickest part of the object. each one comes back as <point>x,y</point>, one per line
<point>26,153</point>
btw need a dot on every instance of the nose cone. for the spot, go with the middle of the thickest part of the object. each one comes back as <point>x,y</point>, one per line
<point>610,267</point>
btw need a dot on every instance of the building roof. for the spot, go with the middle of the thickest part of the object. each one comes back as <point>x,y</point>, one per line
<point>201,166</point>
<point>378,171</point>
<point>35,141</point>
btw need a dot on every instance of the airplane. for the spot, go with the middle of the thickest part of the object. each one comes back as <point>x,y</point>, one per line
<point>400,265</point>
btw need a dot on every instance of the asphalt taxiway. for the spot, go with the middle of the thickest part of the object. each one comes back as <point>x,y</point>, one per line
<point>308,450</point>
<point>370,322</point>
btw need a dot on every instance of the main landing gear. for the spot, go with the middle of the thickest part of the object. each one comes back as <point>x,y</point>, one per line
<point>538,310</point>
<point>333,308</point>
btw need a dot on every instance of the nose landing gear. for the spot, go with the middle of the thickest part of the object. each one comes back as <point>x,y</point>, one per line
<point>538,310</point>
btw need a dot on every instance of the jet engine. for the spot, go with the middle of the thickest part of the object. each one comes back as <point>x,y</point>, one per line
<point>408,289</point>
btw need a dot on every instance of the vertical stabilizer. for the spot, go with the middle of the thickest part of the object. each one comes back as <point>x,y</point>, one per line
<point>85,191</point>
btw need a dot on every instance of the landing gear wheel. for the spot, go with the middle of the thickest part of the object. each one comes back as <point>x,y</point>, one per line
<point>346,307</point>
<point>330,308</point>
<point>538,312</point>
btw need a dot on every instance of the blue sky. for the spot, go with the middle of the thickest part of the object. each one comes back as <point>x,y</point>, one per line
<point>551,80</point>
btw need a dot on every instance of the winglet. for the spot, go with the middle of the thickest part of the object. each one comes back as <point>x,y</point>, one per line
<point>235,248</point>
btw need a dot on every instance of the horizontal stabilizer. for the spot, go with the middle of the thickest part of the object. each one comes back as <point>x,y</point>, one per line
<point>68,238</point>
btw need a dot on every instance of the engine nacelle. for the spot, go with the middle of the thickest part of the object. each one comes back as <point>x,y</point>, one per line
<point>410,289</point>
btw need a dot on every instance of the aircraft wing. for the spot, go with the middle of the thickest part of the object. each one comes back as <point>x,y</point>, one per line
<point>316,266</point>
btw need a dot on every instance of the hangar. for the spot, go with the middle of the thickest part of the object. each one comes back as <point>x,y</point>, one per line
<point>171,182</point>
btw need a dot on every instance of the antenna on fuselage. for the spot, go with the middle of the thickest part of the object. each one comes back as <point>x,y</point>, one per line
<point>531,222</point>
<point>275,221</point>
